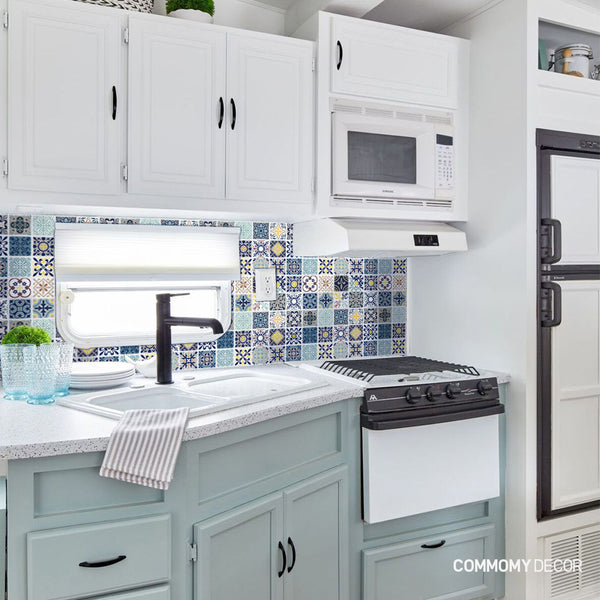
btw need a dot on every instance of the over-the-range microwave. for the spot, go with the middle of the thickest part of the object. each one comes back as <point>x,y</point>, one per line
<point>392,155</point>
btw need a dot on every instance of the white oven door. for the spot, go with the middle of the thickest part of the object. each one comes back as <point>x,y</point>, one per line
<point>413,470</point>
<point>377,157</point>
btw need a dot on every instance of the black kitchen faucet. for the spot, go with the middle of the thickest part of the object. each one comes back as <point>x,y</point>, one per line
<point>164,322</point>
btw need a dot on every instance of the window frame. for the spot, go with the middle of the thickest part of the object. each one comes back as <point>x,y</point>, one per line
<point>223,289</point>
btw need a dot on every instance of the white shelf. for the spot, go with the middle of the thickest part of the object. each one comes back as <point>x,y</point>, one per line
<point>550,79</point>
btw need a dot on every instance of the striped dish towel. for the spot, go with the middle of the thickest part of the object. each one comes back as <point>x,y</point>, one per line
<point>144,445</point>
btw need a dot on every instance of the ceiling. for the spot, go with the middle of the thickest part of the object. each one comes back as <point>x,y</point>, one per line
<point>429,15</point>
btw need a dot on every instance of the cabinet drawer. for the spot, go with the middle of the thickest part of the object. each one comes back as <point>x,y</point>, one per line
<point>54,556</point>
<point>156,593</point>
<point>424,574</point>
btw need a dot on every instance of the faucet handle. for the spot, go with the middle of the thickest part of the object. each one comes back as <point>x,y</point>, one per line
<point>167,297</point>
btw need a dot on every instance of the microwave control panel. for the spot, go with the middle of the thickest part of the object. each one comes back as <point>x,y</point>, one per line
<point>444,160</point>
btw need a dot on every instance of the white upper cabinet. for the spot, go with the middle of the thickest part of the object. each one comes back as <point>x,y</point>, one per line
<point>176,108</point>
<point>270,119</point>
<point>393,63</point>
<point>66,97</point>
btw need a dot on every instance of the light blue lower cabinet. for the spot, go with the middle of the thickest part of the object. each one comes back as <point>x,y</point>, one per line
<point>410,571</point>
<point>88,560</point>
<point>290,545</point>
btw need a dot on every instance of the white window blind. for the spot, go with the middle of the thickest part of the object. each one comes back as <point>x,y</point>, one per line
<point>96,252</point>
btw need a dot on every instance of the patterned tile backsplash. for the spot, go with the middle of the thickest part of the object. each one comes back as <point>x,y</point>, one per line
<point>325,308</point>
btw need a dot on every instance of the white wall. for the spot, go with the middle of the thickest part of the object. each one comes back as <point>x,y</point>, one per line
<point>479,307</point>
<point>245,14</point>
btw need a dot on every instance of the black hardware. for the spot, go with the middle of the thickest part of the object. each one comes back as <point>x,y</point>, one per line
<point>555,292</point>
<point>282,549</point>
<point>340,55</point>
<point>102,563</point>
<point>291,545</point>
<point>433,546</point>
<point>114,100</point>
<point>221,111</point>
<point>164,322</point>
<point>233,114</point>
<point>556,254</point>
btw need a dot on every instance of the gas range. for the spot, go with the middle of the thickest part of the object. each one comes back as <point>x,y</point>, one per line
<point>403,391</point>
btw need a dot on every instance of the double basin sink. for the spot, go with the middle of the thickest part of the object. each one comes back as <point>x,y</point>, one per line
<point>202,392</point>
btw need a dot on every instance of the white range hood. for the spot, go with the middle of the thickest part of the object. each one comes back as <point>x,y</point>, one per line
<point>376,238</point>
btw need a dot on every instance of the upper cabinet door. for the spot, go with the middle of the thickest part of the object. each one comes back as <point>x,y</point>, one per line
<point>393,63</point>
<point>66,97</point>
<point>176,108</point>
<point>270,123</point>
<point>575,202</point>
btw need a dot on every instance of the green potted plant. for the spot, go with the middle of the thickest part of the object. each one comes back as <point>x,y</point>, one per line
<point>196,10</point>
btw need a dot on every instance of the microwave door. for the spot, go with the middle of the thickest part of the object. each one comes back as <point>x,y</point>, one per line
<point>381,158</point>
<point>570,210</point>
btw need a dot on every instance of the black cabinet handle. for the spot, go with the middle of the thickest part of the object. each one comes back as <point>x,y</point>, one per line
<point>233,114</point>
<point>340,55</point>
<point>556,227</point>
<point>114,100</point>
<point>102,563</point>
<point>291,545</point>
<point>282,549</point>
<point>433,546</point>
<point>221,111</point>
<point>556,292</point>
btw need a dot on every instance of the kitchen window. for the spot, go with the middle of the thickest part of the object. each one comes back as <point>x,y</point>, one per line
<point>107,278</point>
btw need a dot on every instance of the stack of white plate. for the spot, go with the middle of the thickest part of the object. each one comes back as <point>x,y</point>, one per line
<point>100,375</point>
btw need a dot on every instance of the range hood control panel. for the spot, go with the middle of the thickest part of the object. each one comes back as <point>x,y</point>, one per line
<point>426,240</point>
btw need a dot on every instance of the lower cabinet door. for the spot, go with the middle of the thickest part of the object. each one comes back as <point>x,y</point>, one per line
<point>158,593</point>
<point>239,554</point>
<point>425,569</point>
<point>316,538</point>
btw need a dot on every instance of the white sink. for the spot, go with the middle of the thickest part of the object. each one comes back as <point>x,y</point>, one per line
<point>204,392</point>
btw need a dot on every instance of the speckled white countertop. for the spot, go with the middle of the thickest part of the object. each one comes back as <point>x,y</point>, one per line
<point>34,431</point>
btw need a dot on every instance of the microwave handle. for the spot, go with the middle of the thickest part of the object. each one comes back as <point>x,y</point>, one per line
<point>340,54</point>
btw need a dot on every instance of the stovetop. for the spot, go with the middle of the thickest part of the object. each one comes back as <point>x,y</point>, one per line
<point>395,370</point>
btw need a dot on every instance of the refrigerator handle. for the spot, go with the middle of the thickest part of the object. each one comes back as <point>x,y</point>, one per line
<point>556,227</point>
<point>556,291</point>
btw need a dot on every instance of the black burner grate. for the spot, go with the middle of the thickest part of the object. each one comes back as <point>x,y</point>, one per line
<point>368,368</point>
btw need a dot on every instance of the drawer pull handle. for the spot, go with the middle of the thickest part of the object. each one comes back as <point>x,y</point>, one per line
<point>102,563</point>
<point>282,550</point>
<point>433,546</point>
<point>293,547</point>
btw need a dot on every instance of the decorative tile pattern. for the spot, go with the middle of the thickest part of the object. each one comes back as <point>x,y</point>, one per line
<point>326,307</point>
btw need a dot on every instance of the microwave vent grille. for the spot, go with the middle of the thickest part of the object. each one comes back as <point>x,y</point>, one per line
<point>404,116</point>
<point>390,202</point>
<point>348,108</point>
<point>379,112</point>
<point>438,120</point>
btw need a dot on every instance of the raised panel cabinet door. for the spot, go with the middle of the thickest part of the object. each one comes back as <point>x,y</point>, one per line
<point>410,570</point>
<point>393,63</point>
<point>575,390</point>
<point>316,538</point>
<point>66,97</point>
<point>575,202</point>
<point>239,554</point>
<point>270,119</point>
<point>176,108</point>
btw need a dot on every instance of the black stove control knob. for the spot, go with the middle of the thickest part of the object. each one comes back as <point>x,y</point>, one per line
<point>483,387</point>
<point>433,393</point>
<point>452,390</point>
<point>413,395</point>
